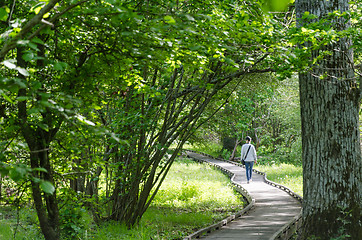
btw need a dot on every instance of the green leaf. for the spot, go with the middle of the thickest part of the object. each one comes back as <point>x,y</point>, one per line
<point>276,5</point>
<point>33,46</point>
<point>60,66</point>
<point>169,20</point>
<point>84,120</point>
<point>23,42</point>
<point>189,17</point>
<point>33,110</point>
<point>6,97</point>
<point>28,56</point>
<point>3,14</point>
<point>43,126</point>
<point>36,85</point>
<point>19,82</point>
<point>17,173</point>
<point>37,40</point>
<point>47,187</point>
<point>40,170</point>
<point>13,88</point>
<point>46,104</point>
<point>22,98</point>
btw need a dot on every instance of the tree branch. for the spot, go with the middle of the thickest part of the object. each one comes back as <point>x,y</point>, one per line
<point>27,28</point>
<point>56,17</point>
<point>11,44</point>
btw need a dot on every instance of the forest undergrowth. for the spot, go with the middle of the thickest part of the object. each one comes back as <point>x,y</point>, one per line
<point>192,197</point>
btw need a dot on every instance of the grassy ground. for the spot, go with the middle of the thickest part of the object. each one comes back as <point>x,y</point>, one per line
<point>27,227</point>
<point>213,149</point>
<point>286,174</point>
<point>193,196</point>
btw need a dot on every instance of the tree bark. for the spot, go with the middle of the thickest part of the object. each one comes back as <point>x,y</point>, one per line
<point>38,141</point>
<point>48,214</point>
<point>237,142</point>
<point>330,136</point>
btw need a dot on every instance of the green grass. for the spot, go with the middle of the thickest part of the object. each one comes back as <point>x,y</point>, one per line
<point>5,231</point>
<point>286,174</point>
<point>212,148</point>
<point>27,229</point>
<point>192,197</point>
<point>195,186</point>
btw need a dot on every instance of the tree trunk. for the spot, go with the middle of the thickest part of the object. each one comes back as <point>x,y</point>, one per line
<point>1,188</point>
<point>38,141</point>
<point>237,142</point>
<point>330,136</point>
<point>46,204</point>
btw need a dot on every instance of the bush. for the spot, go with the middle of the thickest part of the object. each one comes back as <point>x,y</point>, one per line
<point>74,218</point>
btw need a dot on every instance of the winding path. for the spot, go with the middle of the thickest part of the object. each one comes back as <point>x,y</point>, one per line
<point>272,210</point>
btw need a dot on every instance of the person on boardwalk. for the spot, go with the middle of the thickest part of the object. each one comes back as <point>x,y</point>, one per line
<point>248,153</point>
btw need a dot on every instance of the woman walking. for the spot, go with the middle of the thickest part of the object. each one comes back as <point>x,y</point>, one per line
<point>248,154</point>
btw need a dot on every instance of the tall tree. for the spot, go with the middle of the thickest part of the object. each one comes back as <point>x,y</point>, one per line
<point>166,105</point>
<point>34,112</point>
<point>330,102</point>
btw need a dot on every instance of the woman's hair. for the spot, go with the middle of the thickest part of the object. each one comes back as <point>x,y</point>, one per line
<point>248,138</point>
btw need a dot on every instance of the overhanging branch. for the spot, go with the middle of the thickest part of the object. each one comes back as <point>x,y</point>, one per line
<point>37,19</point>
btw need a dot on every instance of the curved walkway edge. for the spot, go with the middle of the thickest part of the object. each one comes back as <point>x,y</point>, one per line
<point>273,210</point>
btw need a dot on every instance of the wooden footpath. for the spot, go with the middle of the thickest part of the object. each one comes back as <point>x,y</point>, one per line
<point>271,212</point>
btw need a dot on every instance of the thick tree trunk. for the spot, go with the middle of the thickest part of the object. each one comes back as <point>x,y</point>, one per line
<point>332,163</point>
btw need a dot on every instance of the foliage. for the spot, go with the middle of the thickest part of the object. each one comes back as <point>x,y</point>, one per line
<point>96,92</point>
<point>212,148</point>
<point>74,220</point>
<point>246,106</point>
<point>58,86</point>
<point>270,114</point>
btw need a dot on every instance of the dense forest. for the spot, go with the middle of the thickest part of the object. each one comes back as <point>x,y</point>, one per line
<point>98,98</point>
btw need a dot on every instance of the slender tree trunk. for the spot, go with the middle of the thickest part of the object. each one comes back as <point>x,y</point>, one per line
<point>237,142</point>
<point>38,141</point>
<point>330,136</point>
<point>1,188</point>
<point>46,204</point>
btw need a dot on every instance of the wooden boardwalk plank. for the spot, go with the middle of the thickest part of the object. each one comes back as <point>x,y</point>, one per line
<point>273,207</point>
